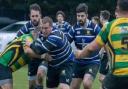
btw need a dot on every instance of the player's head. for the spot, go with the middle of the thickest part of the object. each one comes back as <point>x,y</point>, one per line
<point>122,8</point>
<point>60,16</point>
<point>104,15</point>
<point>35,14</point>
<point>82,13</point>
<point>46,25</point>
<point>95,20</point>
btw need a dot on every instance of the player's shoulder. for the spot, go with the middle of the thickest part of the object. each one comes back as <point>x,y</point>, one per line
<point>28,25</point>
<point>76,25</point>
<point>55,34</point>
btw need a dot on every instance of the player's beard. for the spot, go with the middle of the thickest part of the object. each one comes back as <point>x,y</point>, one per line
<point>81,22</point>
<point>35,23</point>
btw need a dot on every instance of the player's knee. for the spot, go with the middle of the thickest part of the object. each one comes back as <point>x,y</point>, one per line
<point>41,73</point>
<point>87,85</point>
<point>101,78</point>
<point>74,85</point>
<point>87,82</point>
<point>64,86</point>
<point>7,86</point>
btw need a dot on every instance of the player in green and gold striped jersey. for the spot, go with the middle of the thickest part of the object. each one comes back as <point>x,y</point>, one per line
<point>115,34</point>
<point>13,58</point>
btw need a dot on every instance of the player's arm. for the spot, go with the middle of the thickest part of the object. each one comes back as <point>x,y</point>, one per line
<point>70,35</point>
<point>87,50</point>
<point>22,30</point>
<point>99,42</point>
<point>30,52</point>
<point>41,47</point>
<point>27,49</point>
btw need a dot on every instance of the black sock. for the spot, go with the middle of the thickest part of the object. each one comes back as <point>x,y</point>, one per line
<point>39,87</point>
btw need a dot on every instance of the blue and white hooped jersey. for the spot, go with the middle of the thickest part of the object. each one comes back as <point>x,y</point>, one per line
<point>57,45</point>
<point>26,29</point>
<point>64,27</point>
<point>83,36</point>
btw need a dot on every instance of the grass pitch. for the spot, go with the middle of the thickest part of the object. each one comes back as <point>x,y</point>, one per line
<point>20,79</point>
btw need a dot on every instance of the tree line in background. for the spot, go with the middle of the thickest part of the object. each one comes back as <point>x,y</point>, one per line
<point>50,7</point>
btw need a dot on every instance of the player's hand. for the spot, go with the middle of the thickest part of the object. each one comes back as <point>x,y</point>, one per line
<point>46,56</point>
<point>78,54</point>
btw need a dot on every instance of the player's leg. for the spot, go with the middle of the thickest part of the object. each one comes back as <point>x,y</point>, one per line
<point>52,79</point>
<point>77,76</point>
<point>41,74</point>
<point>51,88</point>
<point>76,81</point>
<point>65,77</point>
<point>90,74</point>
<point>32,72</point>
<point>115,82</point>
<point>75,84</point>
<point>7,85</point>
<point>104,67</point>
<point>5,78</point>
<point>31,75</point>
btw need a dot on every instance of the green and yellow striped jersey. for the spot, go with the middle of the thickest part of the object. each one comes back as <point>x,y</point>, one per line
<point>13,56</point>
<point>115,34</point>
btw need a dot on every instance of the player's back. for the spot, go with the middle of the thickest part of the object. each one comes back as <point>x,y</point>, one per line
<point>117,32</point>
<point>62,52</point>
<point>26,29</point>
<point>13,55</point>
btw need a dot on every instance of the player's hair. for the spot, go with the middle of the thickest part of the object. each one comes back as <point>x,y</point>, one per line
<point>82,7</point>
<point>105,14</point>
<point>123,5</point>
<point>60,12</point>
<point>96,18</point>
<point>35,7</point>
<point>47,19</point>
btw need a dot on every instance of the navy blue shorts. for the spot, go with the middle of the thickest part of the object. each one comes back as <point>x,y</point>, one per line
<point>33,67</point>
<point>5,72</point>
<point>80,70</point>
<point>104,67</point>
<point>62,74</point>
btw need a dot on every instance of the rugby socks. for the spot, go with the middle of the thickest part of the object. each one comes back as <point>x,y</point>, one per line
<point>39,87</point>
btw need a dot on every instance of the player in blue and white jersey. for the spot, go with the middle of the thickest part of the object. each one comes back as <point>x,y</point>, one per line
<point>61,24</point>
<point>82,33</point>
<point>55,43</point>
<point>35,74</point>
